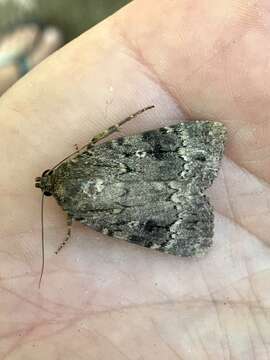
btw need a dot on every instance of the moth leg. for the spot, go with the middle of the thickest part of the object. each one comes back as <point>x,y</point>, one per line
<point>69,226</point>
<point>116,127</point>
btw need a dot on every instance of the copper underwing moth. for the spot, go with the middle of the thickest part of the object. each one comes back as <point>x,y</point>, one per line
<point>147,188</point>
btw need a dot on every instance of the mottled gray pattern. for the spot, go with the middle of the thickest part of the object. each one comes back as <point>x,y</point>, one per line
<point>147,188</point>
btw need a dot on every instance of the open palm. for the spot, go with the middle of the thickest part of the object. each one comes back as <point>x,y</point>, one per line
<point>106,299</point>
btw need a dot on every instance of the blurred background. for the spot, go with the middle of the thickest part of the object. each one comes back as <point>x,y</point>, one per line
<point>72,16</point>
<point>30,30</point>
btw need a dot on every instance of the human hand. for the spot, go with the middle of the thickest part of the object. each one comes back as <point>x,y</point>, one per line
<point>103,298</point>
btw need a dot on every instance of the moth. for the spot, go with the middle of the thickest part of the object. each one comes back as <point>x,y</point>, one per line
<point>147,189</point>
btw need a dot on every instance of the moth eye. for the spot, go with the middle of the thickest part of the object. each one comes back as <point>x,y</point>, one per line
<point>47,193</point>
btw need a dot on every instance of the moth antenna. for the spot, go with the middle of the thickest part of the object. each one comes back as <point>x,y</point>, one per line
<point>106,133</point>
<point>42,240</point>
<point>67,157</point>
<point>137,113</point>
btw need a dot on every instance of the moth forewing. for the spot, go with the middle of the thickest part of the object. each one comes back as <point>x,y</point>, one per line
<point>147,189</point>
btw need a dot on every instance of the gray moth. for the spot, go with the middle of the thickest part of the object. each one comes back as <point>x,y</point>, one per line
<point>147,189</point>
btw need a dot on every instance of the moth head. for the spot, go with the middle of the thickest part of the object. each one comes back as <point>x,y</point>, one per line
<point>44,182</point>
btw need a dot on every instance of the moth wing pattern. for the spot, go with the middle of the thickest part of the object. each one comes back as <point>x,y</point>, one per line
<point>148,188</point>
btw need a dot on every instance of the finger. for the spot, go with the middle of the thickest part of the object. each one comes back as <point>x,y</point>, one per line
<point>57,101</point>
<point>213,61</point>
<point>199,67</point>
<point>58,97</point>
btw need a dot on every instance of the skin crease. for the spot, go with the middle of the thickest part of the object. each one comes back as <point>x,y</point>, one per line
<point>106,299</point>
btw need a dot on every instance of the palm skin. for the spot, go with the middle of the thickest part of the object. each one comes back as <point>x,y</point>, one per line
<point>106,299</point>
